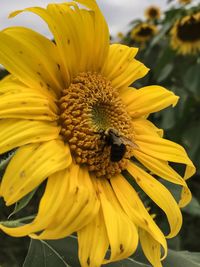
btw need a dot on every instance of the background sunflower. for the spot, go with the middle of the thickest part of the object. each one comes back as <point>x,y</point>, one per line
<point>185,34</point>
<point>185,1</point>
<point>143,32</point>
<point>152,13</point>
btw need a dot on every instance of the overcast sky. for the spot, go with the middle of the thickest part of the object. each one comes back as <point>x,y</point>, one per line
<point>118,13</point>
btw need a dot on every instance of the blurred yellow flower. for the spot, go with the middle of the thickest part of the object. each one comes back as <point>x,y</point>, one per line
<point>185,1</point>
<point>120,35</point>
<point>152,12</point>
<point>69,109</point>
<point>143,32</point>
<point>185,35</point>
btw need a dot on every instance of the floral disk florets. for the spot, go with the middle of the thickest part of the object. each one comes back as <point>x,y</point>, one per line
<point>90,105</point>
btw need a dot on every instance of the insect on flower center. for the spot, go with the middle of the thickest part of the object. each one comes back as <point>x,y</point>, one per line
<point>92,115</point>
<point>189,30</point>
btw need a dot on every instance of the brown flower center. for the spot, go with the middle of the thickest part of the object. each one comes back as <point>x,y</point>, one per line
<point>185,1</point>
<point>145,31</point>
<point>89,107</point>
<point>153,13</point>
<point>189,30</point>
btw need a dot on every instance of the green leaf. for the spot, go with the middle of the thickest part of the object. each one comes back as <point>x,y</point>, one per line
<point>176,259</point>
<point>135,21</point>
<point>165,72</point>
<point>174,243</point>
<point>4,160</point>
<point>182,103</point>
<point>168,118</point>
<point>127,263</point>
<point>182,259</point>
<point>161,33</point>
<point>192,80</point>
<point>174,189</point>
<point>193,207</point>
<point>18,222</point>
<point>64,253</point>
<point>22,203</point>
<point>192,141</point>
<point>40,253</point>
<point>166,56</point>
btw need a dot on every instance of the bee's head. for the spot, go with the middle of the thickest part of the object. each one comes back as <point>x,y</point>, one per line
<point>112,131</point>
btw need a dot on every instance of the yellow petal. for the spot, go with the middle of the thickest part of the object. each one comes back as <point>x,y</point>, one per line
<point>136,210</point>
<point>144,127</point>
<point>122,233</point>
<point>30,165</point>
<point>163,170</point>
<point>65,207</point>
<point>80,48</point>
<point>151,248</point>
<point>93,242</point>
<point>148,99</point>
<point>101,35</point>
<point>78,207</point>
<point>165,150</point>
<point>35,59</point>
<point>56,188</point>
<point>160,195</point>
<point>125,92</point>
<point>19,101</point>
<point>121,68</point>
<point>15,133</point>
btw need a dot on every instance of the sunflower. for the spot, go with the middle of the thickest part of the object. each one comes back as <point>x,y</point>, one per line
<point>143,32</point>
<point>152,12</point>
<point>61,105</point>
<point>185,35</point>
<point>185,2</point>
<point>120,35</point>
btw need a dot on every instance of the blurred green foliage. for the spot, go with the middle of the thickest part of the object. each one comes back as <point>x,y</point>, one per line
<point>180,74</point>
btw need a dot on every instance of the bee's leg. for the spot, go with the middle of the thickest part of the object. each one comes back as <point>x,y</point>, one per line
<point>103,137</point>
<point>103,147</point>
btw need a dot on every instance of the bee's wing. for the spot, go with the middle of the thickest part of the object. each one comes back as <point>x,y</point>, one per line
<point>116,140</point>
<point>128,142</point>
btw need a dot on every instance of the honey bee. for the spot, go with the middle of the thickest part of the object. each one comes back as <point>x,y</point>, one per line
<point>117,143</point>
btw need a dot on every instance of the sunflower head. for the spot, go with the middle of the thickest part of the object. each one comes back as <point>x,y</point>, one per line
<point>143,32</point>
<point>88,108</point>
<point>152,13</point>
<point>185,35</point>
<point>120,35</point>
<point>70,112</point>
<point>185,2</point>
